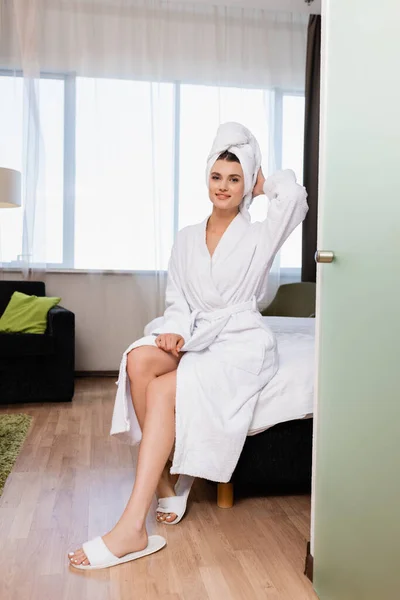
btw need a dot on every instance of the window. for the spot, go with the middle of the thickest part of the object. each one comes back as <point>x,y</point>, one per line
<point>121,168</point>
<point>292,157</point>
<point>50,174</point>
<point>124,174</point>
<point>258,110</point>
<point>248,106</point>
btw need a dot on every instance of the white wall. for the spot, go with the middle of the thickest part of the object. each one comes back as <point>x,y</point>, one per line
<point>110,311</point>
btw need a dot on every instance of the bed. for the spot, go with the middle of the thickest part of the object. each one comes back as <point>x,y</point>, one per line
<point>278,451</point>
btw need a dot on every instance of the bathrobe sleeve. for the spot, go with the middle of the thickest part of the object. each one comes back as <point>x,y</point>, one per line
<point>287,209</point>
<point>177,316</point>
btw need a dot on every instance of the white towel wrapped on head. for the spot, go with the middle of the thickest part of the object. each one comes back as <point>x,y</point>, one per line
<point>235,138</point>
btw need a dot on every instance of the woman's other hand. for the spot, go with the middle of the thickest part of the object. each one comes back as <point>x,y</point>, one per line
<point>258,188</point>
<point>170,342</point>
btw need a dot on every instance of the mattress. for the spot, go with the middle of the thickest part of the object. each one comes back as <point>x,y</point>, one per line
<point>290,393</point>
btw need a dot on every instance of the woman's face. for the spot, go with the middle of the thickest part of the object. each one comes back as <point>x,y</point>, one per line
<point>226,184</point>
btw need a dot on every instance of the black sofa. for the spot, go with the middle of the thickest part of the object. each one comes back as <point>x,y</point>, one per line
<point>37,367</point>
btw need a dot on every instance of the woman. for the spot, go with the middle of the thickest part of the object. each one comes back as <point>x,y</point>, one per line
<point>195,380</point>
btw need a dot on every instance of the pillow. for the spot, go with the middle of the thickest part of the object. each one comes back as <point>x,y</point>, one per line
<point>26,314</point>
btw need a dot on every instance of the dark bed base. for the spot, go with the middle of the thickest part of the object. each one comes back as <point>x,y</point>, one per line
<point>278,460</point>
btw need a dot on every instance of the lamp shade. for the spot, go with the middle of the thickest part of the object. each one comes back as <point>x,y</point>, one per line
<point>10,188</point>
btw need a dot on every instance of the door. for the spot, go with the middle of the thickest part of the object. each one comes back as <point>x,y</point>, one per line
<point>356,514</point>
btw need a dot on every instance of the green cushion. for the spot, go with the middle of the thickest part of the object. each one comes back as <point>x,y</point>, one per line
<point>293,300</point>
<point>26,314</point>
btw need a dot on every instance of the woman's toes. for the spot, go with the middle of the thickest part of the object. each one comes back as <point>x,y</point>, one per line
<point>81,560</point>
<point>77,557</point>
<point>170,517</point>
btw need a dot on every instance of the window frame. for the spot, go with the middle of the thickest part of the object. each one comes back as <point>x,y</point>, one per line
<point>69,155</point>
<point>287,274</point>
<point>69,172</point>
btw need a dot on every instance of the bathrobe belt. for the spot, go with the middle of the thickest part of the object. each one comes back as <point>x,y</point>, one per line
<point>222,313</point>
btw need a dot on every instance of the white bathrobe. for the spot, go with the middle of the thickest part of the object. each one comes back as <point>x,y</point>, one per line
<point>229,352</point>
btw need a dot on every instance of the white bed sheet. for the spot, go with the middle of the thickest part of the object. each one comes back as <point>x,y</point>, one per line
<point>290,394</point>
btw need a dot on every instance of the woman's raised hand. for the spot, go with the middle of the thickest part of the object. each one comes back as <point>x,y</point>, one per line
<point>170,342</point>
<point>258,188</point>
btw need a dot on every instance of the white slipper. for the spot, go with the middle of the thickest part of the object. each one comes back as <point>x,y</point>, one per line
<point>176,504</point>
<point>100,556</point>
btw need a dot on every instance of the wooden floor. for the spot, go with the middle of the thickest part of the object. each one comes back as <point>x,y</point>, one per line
<point>70,483</point>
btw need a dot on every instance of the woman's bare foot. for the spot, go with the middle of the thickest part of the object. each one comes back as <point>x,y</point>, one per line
<point>165,489</point>
<point>118,541</point>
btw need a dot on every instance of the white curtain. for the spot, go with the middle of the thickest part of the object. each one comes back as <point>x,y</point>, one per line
<point>109,107</point>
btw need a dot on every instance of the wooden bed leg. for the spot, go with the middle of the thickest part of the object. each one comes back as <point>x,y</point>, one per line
<point>225,495</point>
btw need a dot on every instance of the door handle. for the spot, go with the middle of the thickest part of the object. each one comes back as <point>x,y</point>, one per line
<point>324,256</point>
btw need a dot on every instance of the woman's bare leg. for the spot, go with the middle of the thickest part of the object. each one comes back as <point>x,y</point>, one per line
<point>144,365</point>
<point>129,534</point>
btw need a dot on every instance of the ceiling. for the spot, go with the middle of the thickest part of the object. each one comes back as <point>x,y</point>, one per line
<point>295,6</point>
